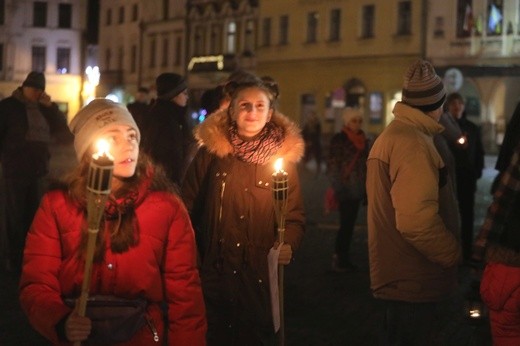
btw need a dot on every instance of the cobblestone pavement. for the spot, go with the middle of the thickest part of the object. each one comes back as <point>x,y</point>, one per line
<point>322,308</point>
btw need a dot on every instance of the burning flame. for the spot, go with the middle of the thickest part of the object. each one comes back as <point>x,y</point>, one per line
<point>102,147</point>
<point>278,165</point>
<point>462,140</point>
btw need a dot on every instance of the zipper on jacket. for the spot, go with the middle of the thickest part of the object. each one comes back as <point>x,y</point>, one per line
<point>222,188</point>
<point>153,329</point>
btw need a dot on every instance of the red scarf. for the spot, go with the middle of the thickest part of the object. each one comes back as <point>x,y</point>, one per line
<point>357,138</point>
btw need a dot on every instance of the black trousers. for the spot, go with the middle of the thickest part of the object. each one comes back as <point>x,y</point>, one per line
<point>22,198</point>
<point>348,211</point>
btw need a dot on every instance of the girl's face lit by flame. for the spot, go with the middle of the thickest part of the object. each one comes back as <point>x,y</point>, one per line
<point>121,142</point>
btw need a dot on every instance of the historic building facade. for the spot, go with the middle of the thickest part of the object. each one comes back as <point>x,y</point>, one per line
<point>45,36</point>
<point>330,54</point>
<point>476,45</point>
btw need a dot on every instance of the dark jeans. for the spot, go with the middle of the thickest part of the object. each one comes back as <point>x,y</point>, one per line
<point>22,198</point>
<point>410,324</point>
<point>348,211</point>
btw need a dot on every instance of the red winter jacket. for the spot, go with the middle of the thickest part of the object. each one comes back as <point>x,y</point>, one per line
<point>500,291</point>
<point>162,267</point>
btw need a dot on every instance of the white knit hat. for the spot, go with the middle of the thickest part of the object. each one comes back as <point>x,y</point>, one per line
<point>350,113</point>
<point>92,119</point>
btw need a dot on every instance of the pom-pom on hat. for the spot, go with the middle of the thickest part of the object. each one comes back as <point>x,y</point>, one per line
<point>92,119</point>
<point>423,88</point>
<point>169,85</point>
<point>35,79</point>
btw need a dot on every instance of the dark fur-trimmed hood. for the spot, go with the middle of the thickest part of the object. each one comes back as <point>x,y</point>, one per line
<point>213,134</point>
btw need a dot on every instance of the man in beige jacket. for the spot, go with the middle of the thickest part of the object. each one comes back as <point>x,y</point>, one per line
<point>412,235</point>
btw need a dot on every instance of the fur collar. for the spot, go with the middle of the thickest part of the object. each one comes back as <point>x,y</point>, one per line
<point>213,134</point>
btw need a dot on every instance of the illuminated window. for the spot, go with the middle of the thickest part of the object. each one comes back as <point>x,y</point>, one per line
<point>367,24</point>
<point>231,37</point>
<point>39,14</point>
<point>39,58</point>
<point>284,30</point>
<point>335,24</point>
<point>312,27</point>
<point>495,20</point>
<point>266,32</point>
<point>63,60</point>
<point>65,16</point>
<point>404,18</point>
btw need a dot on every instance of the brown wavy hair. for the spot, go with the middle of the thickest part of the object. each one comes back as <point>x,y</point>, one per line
<point>124,231</point>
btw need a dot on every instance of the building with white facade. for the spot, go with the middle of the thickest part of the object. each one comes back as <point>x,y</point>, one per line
<point>139,39</point>
<point>45,36</point>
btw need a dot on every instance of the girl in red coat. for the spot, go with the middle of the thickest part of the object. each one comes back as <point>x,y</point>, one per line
<point>145,249</point>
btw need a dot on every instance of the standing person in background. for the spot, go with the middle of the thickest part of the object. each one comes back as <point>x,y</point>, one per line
<point>346,167</point>
<point>145,253</point>
<point>228,193</point>
<point>167,137</point>
<point>507,148</point>
<point>469,163</point>
<point>139,108</point>
<point>29,121</point>
<point>311,133</point>
<point>499,241</point>
<point>413,248</point>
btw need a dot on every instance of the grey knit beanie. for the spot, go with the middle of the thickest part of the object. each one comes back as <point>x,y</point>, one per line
<point>423,88</point>
<point>92,119</point>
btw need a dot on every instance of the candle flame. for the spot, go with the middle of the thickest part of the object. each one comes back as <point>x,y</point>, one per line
<point>474,313</point>
<point>278,165</point>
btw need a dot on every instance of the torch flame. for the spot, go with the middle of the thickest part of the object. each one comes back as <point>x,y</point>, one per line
<point>102,147</point>
<point>278,164</point>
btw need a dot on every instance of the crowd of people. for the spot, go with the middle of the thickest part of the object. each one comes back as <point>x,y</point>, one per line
<point>184,239</point>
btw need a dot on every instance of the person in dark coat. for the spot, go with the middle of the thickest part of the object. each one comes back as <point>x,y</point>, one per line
<point>498,242</point>
<point>347,169</point>
<point>228,193</point>
<point>141,105</point>
<point>469,163</point>
<point>311,133</point>
<point>511,140</point>
<point>167,137</point>
<point>29,121</point>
